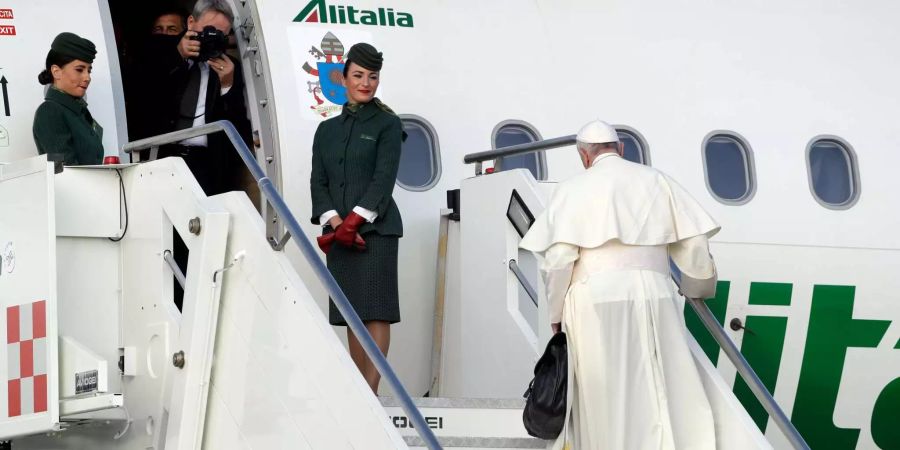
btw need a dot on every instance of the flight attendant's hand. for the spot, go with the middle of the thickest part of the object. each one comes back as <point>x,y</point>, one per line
<point>224,68</point>
<point>335,222</point>
<point>325,242</point>
<point>556,327</point>
<point>348,233</point>
<point>359,243</point>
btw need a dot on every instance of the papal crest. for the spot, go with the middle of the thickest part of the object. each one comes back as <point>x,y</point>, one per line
<point>329,76</point>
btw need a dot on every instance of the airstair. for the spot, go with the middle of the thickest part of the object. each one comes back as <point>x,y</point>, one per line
<point>98,356</point>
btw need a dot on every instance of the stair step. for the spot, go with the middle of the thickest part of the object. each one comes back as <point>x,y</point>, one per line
<point>453,442</point>
<point>467,422</point>
<point>471,403</point>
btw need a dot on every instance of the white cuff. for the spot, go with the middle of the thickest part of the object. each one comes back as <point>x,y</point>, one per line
<point>370,216</point>
<point>326,216</point>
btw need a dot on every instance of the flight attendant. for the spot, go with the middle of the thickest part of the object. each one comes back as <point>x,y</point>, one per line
<point>63,127</point>
<point>354,168</point>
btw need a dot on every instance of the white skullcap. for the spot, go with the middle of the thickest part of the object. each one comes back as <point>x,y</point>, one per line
<point>597,132</point>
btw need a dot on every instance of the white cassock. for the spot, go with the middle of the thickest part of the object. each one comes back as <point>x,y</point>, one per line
<point>606,239</point>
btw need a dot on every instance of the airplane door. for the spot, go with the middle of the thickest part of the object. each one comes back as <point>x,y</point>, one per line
<point>27,27</point>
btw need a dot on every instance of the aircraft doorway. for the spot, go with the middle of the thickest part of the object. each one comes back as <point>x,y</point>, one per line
<point>155,78</point>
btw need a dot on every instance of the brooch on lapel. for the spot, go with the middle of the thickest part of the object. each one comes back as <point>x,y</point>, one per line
<point>367,137</point>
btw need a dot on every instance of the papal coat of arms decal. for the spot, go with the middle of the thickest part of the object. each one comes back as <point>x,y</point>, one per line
<point>328,90</point>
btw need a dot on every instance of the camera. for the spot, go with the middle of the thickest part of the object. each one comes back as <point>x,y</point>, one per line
<point>213,43</point>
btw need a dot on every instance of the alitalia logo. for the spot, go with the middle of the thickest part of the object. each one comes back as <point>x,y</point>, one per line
<point>317,11</point>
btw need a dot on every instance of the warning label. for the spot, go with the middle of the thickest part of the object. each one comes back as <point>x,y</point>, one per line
<point>6,14</point>
<point>7,30</point>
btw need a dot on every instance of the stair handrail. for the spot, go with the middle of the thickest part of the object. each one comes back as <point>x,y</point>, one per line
<point>523,281</point>
<point>309,253</point>
<point>514,150</point>
<point>748,374</point>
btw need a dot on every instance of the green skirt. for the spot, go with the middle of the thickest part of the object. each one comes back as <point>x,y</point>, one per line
<point>368,279</point>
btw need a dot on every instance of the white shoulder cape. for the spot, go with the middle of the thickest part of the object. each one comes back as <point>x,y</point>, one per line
<point>618,199</point>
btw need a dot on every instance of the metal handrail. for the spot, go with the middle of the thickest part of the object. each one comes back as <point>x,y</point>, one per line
<point>529,289</point>
<point>173,266</point>
<point>309,252</point>
<point>521,149</point>
<point>743,367</point>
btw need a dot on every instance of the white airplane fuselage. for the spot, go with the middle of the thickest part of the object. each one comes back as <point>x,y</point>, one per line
<point>816,284</point>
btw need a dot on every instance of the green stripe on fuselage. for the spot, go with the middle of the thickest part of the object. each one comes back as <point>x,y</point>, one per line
<point>718,305</point>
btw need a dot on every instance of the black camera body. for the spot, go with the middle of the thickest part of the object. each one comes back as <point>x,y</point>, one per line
<point>213,43</point>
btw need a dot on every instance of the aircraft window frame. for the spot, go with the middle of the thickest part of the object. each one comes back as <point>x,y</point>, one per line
<point>528,128</point>
<point>749,166</point>
<point>643,147</point>
<point>434,148</point>
<point>852,166</point>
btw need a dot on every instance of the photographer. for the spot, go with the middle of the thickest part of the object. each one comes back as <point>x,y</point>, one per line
<point>199,84</point>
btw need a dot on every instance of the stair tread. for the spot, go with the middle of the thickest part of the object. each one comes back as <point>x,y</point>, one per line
<point>480,442</point>
<point>471,403</point>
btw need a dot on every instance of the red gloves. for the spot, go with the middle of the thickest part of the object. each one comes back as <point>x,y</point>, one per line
<point>325,242</point>
<point>347,233</point>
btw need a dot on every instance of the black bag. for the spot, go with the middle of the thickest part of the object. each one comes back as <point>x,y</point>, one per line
<point>545,404</point>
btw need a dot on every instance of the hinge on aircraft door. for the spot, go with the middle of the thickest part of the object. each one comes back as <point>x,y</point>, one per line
<point>247,28</point>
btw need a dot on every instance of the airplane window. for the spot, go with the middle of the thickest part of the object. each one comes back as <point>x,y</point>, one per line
<point>833,175</point>
<point>420,160</point>
<point>728,164</point>
<point>635,146</point>
<point>515,132</point>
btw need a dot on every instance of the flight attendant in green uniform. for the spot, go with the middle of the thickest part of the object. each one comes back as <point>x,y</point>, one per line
<point>354,168</point>
<point>63,127</point>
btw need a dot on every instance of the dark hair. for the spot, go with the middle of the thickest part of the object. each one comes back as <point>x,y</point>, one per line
<point>54,58</point>
<point>346,67</point>
<point>170,9</point>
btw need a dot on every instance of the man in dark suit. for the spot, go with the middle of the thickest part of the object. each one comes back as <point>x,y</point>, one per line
<point>192,90</point>
<point>179,89</point>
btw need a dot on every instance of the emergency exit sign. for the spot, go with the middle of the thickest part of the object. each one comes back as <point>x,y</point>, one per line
<point>7,30</point>
<point>6,14</point>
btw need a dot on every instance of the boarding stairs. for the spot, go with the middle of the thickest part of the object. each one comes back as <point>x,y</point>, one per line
<point>249,362</point>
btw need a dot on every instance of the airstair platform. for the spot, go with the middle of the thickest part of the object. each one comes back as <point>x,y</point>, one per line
<point>466,423</point>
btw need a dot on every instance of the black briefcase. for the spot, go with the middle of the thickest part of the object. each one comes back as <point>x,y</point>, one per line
<point>545,404</point>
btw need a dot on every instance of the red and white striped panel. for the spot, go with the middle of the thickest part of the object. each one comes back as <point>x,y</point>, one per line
<point>26,343</point>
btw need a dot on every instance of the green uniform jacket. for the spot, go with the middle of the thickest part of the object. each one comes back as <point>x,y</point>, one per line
<point>354,163</point>
<point>65,131</point>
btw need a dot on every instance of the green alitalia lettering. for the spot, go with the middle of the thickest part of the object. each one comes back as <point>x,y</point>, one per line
<point>314,6</point>
<point>368,18</point>
<point>351,15</point>
<point>885,414</point>
<point>718,305</point>
<point>832,330</point>
<point>317,11</point>
<point>762,346</point>
<point>774,294</point>
<point>404,19</point>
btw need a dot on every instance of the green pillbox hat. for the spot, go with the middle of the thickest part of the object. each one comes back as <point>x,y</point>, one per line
<point>366,56</point>
<point>75,46</point>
